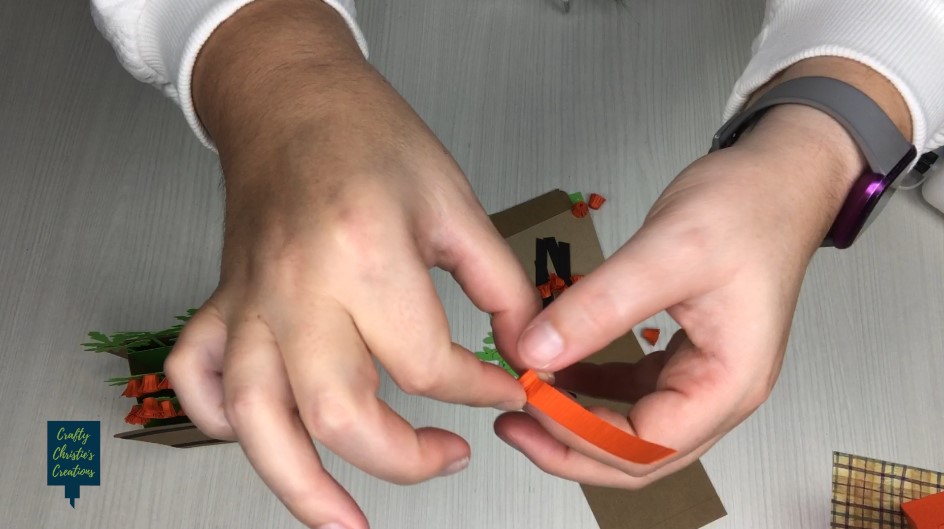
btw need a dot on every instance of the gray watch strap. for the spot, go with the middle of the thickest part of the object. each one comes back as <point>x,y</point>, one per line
<point>879,139</point>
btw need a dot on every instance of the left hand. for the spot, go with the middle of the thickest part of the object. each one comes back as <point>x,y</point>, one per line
<point>724,251</point>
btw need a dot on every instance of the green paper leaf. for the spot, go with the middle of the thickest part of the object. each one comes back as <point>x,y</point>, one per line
<point>491,355</point>
<point>576,197</point>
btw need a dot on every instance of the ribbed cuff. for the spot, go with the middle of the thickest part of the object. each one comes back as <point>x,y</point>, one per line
<point>901,40</point>
<point>171,34</point>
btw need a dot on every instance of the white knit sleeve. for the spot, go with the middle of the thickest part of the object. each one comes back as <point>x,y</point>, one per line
<point>157,41</point>
<point>900,39</point>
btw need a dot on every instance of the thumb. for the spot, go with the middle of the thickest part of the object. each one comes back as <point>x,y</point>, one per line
<point>641,279</point>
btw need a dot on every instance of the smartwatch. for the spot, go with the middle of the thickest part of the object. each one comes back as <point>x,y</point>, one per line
<point>887,152</point>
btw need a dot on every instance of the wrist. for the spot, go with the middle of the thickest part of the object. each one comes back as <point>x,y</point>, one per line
<point>868,81</point>
<point>271,66</point>
<point>819,155</point>
<point>805,164</point>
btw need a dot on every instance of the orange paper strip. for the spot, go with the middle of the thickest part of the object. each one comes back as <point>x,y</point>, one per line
<point>588,426</point>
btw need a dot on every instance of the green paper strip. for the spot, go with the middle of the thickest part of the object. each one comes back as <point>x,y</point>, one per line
<point>120,381</point>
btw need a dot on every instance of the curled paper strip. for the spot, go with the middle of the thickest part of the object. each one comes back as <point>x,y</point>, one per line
<point>149,383</point>
<point>588,426</point>
<point>146,384</point>
<point>152,408</point>
<point>557,284</point>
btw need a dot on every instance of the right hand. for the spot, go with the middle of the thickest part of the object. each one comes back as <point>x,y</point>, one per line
<point>338,201</point>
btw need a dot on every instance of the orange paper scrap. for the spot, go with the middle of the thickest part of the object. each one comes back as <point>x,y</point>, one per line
<point>596,201</point>
<point>651,335</point>
<point>588,426</point>
<point>926,513</point>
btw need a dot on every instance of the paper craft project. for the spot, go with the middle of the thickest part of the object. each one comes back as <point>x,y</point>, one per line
<point>684,500</point>
<point>870,493</point>
<point>156,407</point>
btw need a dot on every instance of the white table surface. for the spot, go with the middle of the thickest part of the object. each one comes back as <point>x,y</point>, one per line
<point>110,216</point>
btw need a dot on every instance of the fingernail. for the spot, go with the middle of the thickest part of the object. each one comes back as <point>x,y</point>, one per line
<point>541,344</point>
<point>546,376</point>
<point>332,525</point>
<point>510,405</point>
<point>456,466</point>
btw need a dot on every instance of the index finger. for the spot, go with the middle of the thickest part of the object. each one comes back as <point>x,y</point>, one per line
<point>490,274</point>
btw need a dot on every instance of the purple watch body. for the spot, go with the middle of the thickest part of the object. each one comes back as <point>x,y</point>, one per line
<point>866,199</point>
<point>886,150</point>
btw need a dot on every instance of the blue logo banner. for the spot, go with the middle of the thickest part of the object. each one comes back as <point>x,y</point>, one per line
<point>72,455</point>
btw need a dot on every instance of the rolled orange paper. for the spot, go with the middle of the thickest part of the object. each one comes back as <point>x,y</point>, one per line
<point>557,283</point>
<point>596,201</point>
<point>588,426</point>
<point>580,209</point>
<point>149,383</point>
<point>133,389</point>
<point>167,409</point>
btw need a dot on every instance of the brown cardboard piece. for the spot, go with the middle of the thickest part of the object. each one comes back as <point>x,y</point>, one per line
<point>184,435</point>
<point>684,500</point>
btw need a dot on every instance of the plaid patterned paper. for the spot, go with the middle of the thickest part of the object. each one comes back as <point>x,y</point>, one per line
<point>868,493</point>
